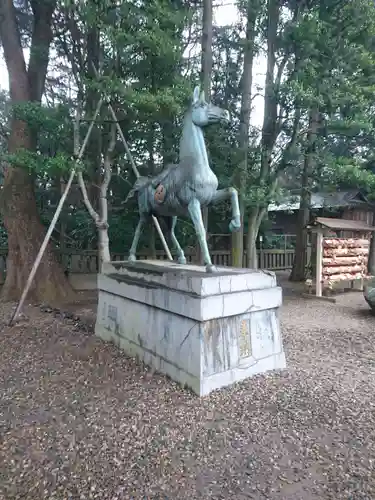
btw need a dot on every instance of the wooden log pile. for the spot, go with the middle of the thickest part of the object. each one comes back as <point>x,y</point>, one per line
<point>344,259</point>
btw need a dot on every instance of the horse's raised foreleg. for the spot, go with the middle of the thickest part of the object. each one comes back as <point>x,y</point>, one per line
<point>133,250</point>
<point>195,212</point>
<point>180,253</point>
<point>225,194</point>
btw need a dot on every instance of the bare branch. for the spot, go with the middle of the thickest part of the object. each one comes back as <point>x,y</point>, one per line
<point>81,181</point>
<point>40,45</point>
<point>88,205</point>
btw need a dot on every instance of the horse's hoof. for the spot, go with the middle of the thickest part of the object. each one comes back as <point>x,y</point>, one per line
<point>132,258</point>
<point>181,260</point>
<point>210,268</point>
<point>235,225</point>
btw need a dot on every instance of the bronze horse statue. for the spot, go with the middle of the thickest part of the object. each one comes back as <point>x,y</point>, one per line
<point>182,189</point>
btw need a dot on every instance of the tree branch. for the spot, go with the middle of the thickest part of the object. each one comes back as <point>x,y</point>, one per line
<point>15,61</point>
<point>88,205</point>
<point>291,144</point>
<point>107,177</point>
<point>95,216</point>
<point>40,45</point>
<point>280,70</point>
<point>269,129</point>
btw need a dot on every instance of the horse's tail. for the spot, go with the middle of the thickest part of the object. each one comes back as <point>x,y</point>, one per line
<point>138,185</point>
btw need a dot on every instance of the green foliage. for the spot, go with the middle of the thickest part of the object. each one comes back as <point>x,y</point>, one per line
<point>332,69</point>
<point>37,163</point>
<point>325,61</point>
<point>347,172</point>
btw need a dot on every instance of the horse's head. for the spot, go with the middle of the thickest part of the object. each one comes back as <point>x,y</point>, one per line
<point>204,113</point>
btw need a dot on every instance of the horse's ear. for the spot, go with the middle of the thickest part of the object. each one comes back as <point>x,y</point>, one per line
<point>203,96</point>
<point>196,94</point>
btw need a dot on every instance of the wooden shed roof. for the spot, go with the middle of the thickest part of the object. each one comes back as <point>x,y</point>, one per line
<point>342,224</point>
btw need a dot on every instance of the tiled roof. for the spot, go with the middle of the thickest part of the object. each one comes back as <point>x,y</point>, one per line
<point>320,200</point>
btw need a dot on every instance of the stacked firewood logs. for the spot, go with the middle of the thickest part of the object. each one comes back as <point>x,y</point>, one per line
<point>344,259</point>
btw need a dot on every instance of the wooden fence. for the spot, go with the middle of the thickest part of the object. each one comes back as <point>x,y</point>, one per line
<point>86,261</point>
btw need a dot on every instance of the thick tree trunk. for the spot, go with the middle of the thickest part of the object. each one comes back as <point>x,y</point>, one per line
<point>103,237</point>
<point>25,236</point>
<point>21,219</point>
<point>238,236</point>
<point>300,258</point>
<point>206,59</point>
<point>104,253</point>
<point>299,266</point>
<point>94,146</point>
<point>251,238</point>
<point>254,221</point>
<point>206,74</point>
<point>152,172</point>
<point>371,257</point>
<point>246,84</point>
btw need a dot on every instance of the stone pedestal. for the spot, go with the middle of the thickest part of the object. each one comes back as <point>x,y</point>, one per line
<point>205,331</point>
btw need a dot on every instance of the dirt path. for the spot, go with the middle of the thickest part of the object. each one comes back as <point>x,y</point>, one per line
<point>79,420</point>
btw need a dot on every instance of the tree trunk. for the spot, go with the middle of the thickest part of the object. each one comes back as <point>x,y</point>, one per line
<point>269,131</point>
<point>371,256</point>
<point>21,218</point>
<point>94,146</point>
<point>251,237</point>
<point>206,74</point>
<point>298,272</point>
<point>25,236</point>
<point>99,217</point>
<point>62,222</point>
<point>151,172</point>
<point>254,221</point>
<point>206,59</point>
<point>299,266</point>
<point>246,84</point>
<point>104,253</point>
<point>238,236</point>
<point>271,128</point>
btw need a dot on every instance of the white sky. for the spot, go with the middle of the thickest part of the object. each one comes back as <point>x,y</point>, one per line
<point>224,15</point>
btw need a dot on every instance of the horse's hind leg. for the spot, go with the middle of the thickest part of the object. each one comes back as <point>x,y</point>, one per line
<point>180,253</point>
<point>133,250</point>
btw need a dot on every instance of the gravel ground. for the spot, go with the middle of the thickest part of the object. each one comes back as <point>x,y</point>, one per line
<point>79,420</point>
